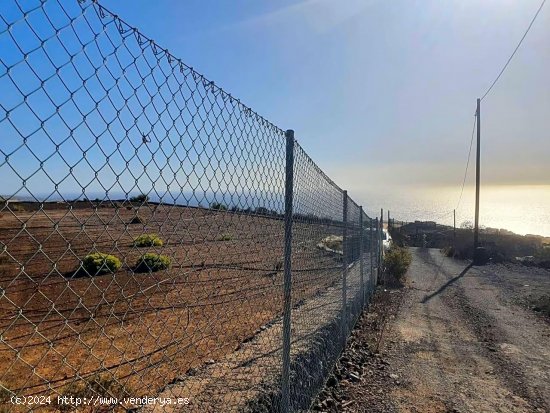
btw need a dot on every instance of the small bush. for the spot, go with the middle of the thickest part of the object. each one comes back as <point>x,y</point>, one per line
<point>218,206</point>
<point>148,240</point>
<point>396,262</point>
<point>142,198</point>
<point>151,262</point>
<point>100,263</point>
<point>333,242</point>
<point>225,237</point>
<point>17,207</point>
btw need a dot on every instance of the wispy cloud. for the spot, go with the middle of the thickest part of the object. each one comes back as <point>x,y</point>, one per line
<point>319,15</point>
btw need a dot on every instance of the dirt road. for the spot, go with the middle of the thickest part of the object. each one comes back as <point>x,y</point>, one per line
<point>455,339</point>
<point>462,344</point>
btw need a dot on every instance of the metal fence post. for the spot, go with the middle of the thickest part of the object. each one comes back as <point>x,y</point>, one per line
<point>377,250</point>
<point>371,251</point>
<point>289,192</point>
<point>361,266</point>
<point>345,270</point>
<point>381,233</point>
<point>381,246</point>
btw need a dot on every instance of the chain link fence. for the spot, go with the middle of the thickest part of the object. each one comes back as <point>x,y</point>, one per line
<point>162,246</point>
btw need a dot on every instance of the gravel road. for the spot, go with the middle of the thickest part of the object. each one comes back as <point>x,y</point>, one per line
<point>455,339</point>
<point>461,345</point>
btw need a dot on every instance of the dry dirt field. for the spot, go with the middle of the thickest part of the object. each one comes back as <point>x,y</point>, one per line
<point>144,329</point>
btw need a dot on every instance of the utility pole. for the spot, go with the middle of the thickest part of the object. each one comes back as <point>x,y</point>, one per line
<point>476,227</point>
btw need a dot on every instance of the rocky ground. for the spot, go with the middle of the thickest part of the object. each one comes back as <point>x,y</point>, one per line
<point>363,376</point>
<point>455,339</point>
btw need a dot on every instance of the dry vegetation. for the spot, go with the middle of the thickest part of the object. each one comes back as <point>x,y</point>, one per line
<point>143,329</point>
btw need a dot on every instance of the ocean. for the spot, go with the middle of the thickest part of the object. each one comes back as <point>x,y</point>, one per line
<point>523,209</point>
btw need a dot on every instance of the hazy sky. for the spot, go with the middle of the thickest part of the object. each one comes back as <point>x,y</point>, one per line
<point>376,90</point>
<point>380,94</point>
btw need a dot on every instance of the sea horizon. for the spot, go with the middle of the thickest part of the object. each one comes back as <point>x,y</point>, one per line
<point>522,209</point>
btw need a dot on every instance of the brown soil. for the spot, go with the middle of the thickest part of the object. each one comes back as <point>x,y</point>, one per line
<point>145,330</point>
<point>248,380</point>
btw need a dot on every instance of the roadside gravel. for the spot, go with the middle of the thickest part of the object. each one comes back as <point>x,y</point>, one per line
<point>463,339</point>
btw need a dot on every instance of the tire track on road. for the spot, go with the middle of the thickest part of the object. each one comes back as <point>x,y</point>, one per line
<point>484,327</point>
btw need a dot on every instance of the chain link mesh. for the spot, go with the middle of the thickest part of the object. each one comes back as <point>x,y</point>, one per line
<point>142,230</point>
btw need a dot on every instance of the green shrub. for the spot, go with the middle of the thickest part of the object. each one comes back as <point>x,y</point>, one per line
<point>225,237</point>
<point>151,262</point>
<point>17,207</point>
<point>219,206</point>
<point>148,240</point>
<point>397,261</point>
<point>100,263</point>
<point>333,242</point>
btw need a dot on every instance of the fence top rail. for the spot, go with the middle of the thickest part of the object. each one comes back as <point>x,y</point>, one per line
<point>126,29</point>
<point>317,168</point>
<point>353,203</point>
<point>366,217</point>
<point>106,17</point>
